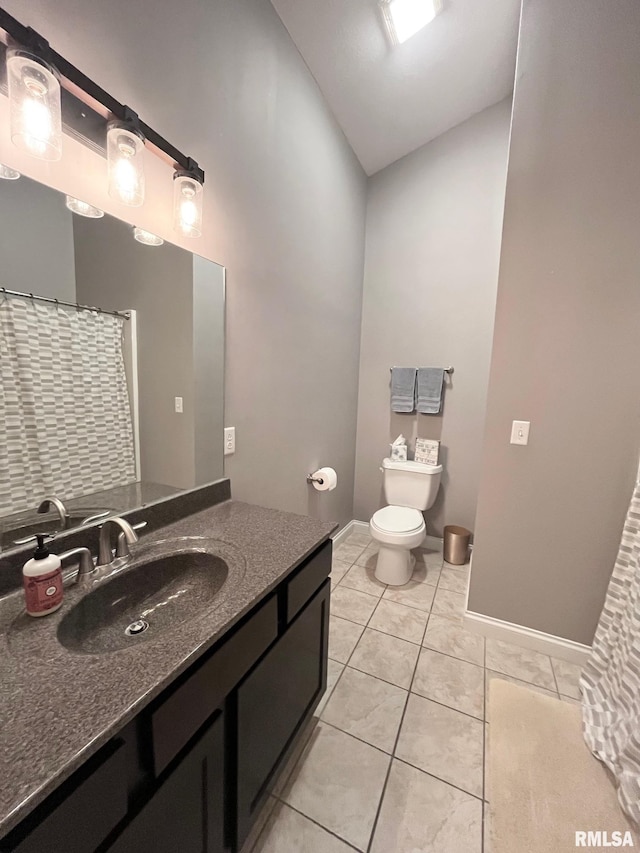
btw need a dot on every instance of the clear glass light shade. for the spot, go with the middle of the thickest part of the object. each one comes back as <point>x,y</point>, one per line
<point>125,156</point>
<point>83,208</point>
<point>34,98</point>
<point>187,205</point>
<point>146,237</point>
<point>8,174</point>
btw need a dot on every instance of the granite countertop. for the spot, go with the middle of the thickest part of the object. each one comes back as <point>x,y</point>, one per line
<point>58,707</point>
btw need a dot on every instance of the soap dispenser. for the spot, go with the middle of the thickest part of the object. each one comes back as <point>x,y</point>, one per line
<point>42,579</point>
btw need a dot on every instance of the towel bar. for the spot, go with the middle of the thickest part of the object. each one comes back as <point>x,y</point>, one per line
<point>446,370</point>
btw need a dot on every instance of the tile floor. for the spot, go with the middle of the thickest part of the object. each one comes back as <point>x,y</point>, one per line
<point>395,762</point>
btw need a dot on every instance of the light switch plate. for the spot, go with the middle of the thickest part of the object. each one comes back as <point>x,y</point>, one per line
<point>520,432</point>
<point>179,406</point>
<point>229,440</point>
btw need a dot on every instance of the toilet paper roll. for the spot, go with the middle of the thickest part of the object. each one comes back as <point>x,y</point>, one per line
<point>329,479</point>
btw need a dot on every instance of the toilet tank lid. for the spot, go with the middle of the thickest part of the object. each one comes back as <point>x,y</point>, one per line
<point>416,467</point>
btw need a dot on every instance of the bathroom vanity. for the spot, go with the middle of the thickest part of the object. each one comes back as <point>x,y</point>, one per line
<point>171,743</point>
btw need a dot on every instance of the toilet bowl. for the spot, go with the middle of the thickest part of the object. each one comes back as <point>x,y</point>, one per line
<point>396,529</point>
<point>410,488</point>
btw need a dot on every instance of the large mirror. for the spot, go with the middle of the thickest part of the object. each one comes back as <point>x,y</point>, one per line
<point>108,409</point>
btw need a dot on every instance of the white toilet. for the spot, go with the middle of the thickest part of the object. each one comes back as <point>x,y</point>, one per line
<point>410,487</point>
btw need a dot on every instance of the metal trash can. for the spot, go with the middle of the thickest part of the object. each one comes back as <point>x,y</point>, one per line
<point>456,544</point>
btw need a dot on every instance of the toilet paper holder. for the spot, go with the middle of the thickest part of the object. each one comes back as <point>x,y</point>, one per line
<point>312,479</point>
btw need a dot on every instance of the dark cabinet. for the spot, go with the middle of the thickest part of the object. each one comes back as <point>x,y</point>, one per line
<point>186,813</point>
<point>275,700</point>
<point>192,770</point>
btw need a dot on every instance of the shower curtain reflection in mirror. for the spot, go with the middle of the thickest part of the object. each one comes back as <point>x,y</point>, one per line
<point>65,414</point>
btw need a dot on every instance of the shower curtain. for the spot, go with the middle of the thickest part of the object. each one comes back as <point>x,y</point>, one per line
<point>65,419</point>
<point>610,682</point>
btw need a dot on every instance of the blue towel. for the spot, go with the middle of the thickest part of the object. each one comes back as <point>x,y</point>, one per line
<point>430,382</point>
<point>403,389</point>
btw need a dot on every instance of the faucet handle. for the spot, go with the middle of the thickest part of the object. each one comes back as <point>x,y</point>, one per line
<point>122,546</point>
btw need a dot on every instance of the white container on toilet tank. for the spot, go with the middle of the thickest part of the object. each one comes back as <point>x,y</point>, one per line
<point>410,488</point>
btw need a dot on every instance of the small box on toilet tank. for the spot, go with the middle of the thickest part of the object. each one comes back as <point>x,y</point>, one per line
<point>427,451</point>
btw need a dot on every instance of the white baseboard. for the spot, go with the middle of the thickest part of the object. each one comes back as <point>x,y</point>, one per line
<point>529,638</point>
<point>349,528</point>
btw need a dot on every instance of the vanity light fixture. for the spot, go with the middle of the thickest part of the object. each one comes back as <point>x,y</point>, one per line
<point>83,208</point>
<point>404,18</point>
<point>48,93</point>
<point>8,174</point>
<point>125,156</point>
<point>187,204</point>
<point>34,101</point>
<point>146,237</point>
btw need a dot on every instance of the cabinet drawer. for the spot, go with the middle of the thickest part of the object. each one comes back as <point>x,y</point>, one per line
<point>180,716</point>
<point>81,813</point>
<point>307,579</point>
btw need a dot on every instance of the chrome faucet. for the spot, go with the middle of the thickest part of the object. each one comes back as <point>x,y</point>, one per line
<point>46,505</point>
<point>85,562</point>
<point>105,554</point>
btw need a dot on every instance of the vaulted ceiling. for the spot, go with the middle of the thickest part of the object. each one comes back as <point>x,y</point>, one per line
<point>391,100</point>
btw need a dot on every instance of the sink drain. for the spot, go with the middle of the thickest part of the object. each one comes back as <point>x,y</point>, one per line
<point>137,627</point>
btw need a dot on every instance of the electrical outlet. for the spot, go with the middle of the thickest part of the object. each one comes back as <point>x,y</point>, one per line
<point>520,432</point>
<point>179,407</point>
<point>229,440</point>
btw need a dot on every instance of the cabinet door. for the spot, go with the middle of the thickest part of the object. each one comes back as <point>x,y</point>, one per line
<point>274,702</point>
<point>186,814</point>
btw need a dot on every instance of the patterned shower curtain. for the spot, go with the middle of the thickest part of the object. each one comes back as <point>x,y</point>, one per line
<point>65,419</point>
<point>610,682</point>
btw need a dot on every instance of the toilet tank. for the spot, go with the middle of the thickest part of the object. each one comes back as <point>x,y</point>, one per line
<point>411,484</point>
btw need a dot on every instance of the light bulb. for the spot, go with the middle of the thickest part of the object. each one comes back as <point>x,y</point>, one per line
<point>83,208</point>
<point>146,237</point>
<point>187,204</point>
<point>8,174</point>
<point>125,155</point>
<point>35,114</point>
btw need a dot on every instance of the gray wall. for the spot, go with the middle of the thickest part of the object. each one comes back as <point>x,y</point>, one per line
<point>114,272</point>
<point>566,352</point>
<point>285,207</point>
<point>36,240</point>
<point>208,370</point>
<point>434,220</point>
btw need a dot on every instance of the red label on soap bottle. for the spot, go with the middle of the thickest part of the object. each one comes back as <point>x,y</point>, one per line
<point>44,592</point>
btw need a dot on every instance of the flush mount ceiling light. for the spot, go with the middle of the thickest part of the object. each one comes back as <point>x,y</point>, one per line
<point>146,237</point>
<point>48,94</point>
<point>187,204</point>
<point>34,98</point>
<point>404,18</point>
<point>8,174</point>
<point>83,208</point>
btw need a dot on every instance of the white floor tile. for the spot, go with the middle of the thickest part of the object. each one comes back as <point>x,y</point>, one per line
<point>367,708</point>
<point>363,579</point>
<point>421,814</point>
<point>350,604</point>
<point>385,657</point>
<point>451,682</point>
<point>521,663</point>
<point>287,831</point>
<point>399,621</point>
<point>412,594</point>
<point>443,742</point>
<point>567,677</point>
<point>450,637</point>
<point>343,638</point>
<point>338,783</point>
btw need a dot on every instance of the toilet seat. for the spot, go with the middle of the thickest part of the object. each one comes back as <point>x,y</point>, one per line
<point>398,520</point>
